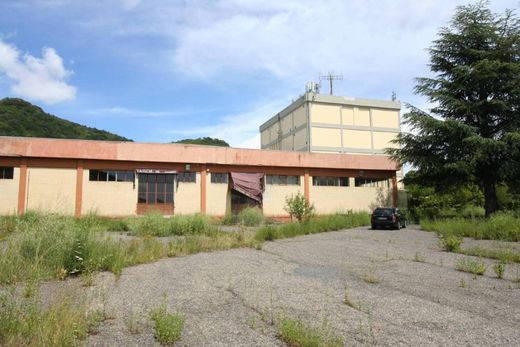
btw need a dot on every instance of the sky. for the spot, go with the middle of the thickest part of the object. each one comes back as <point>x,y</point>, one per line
<point>159,71</point>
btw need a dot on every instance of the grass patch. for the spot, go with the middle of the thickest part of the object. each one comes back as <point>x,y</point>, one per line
<point>315,225</point>
<point>370,278</point>
<point>296,333</point>
<point>450,242</point>
<point>24,323</point>
<point>154,224</point>
<point>500,226</point>
<point>250,216</point>
<point>168,327</point>
<point>420,258</point>
<point>505,255</point>
<point>500,269</point>
<point>475,267</point>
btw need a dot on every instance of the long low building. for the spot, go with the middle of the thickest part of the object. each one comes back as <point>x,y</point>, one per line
<point>77,177</point>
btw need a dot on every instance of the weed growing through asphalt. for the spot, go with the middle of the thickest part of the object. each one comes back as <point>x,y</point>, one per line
<point>347,300</point>
<point>500,269</point>
<point>371,278</point>
<point>419,257</point>
<point>505,255</point>
<point>132,323</point>
<point>450,242</point>
<point>475,267</point>
<point>462,283</point>
<point>168,326</point>
<point>296,333</point>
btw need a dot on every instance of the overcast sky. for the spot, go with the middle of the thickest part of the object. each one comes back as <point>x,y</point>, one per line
<point>158,71</point>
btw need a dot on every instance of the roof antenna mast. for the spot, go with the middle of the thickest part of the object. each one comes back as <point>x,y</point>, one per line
<point>331,77</point>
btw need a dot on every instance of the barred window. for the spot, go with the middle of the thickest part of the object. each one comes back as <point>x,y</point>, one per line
<point>330,181</point>
<point>6,173</point>
<point>217,177</point>
<point>372,182</point>
<point>283,180</point>
<point>111,175</point>
<point>187,177</point>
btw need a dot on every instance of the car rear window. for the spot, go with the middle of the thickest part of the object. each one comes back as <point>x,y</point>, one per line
<point>383,212</point>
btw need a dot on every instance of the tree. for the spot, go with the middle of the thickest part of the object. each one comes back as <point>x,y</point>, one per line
<point>473,132</point>
<point>209,141</point>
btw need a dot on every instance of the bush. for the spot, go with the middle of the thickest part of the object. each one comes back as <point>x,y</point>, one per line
<point>500,269</point>
<point>298,207</point>
<point>450,242</point>
<point>168,327</point>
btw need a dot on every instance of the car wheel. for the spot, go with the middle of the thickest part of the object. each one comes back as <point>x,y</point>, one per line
<point>373,227</point>
<point>398,225</point>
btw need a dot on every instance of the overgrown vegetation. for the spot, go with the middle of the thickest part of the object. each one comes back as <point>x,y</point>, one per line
<point>154,224</point>
<point>250,216</point>
<point>24,323</point>
<point>500,226</point>
<point>296,333</point>
<point>315,225</point>
<point>168,326</point>
<point>474,266</point>
<point>299,208</point>
<point>505,255</point>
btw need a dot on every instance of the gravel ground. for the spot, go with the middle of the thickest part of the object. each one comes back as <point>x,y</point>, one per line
<point>231,298</point>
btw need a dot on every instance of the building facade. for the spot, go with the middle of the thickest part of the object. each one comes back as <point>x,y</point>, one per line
<point>77,177</point>
<point>322,123</point>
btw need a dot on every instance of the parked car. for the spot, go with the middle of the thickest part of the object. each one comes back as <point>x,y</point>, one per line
<point>388,217</point>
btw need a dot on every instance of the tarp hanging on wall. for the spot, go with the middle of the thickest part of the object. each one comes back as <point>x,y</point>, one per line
<point>249,184</point>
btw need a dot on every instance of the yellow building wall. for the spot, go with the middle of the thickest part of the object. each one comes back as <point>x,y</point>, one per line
<point>9,193</point>
<point>274,197</point>
<point>347,115</point>
<point>300,116</point>
<point>382,140</point>
<point>385,118</point>
<point>187,197</point>
<point>300,139</point>
<point>108,198</point>
<point>357,139</point>
<point>286,124</point>
<point>265,137</point>
<point>51,190</point>
<point>326,137</point>
<point>330,114</point>
<point>361,116</point>
<point>218,198</point>
<point>329,200</point>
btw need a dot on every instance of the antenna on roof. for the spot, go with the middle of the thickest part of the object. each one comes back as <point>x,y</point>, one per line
<point>312,87</point>
<point>394,95</point>
<point>331,77</point>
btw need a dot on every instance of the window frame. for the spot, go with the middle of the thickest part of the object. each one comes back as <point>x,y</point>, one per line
<point>282,180</point>
<point>108,175</point>
<point>187,177</point>
<point>331,181</point>
<point>219,177</point>
<point>163,187</point>
<point>6,172</point>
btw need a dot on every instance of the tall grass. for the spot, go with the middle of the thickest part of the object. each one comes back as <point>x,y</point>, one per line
<point>296,333</point>
<point>250,216</point>
<point>500,226</point>
<point>24,323</point>
<point>315,225</point>
<point>154,224</point>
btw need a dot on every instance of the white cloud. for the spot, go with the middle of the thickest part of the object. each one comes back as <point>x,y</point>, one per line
<point>239,130</point>
<point>41,79</point>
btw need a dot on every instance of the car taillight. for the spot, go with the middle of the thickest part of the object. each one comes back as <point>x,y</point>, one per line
<point>393,218</point>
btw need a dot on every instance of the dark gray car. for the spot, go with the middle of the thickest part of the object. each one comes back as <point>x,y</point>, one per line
<point>388,217</point>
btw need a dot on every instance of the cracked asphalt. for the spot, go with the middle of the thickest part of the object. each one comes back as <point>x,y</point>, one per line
<point>236,297</point>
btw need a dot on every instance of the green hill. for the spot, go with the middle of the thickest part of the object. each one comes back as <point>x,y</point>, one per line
<point>208,141</point>
<point>21,118</point>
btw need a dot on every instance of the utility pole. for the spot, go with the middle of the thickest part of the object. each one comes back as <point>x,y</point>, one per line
<point>331,77</point>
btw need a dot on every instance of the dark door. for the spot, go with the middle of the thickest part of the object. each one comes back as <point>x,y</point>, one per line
<point>240,201</point>
<point>155,192</point>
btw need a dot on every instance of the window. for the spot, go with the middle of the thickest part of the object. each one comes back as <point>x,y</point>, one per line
<point>155,189</point>
<point>372,182</point>
<point>6,173</point>
<point>111,176</point>
<point>219,177</point>
<point>283,180</point>
<point>188,177</point>
<point>330,181</point>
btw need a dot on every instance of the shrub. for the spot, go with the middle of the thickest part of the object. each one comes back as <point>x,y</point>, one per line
<point>299,334</point>
<point>168,327</point>
<point>476,267</point>
<point>298,207</point>
<point>450,243</point>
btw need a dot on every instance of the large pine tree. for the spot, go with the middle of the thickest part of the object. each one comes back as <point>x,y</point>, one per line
<point>472,133</point>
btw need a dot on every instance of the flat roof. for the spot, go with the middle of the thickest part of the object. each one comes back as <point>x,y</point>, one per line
<point>31,147</point>
<point>331,99</point>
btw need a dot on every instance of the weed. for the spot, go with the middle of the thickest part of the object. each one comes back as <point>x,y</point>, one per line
<point>419,257</point>
<point>349,302</point>
<point>251,216</point>
<point>476,267</point>
<point>500,269</point>
<point>298,207</point>
<point>132,324</point>
<point>505,255</point>
<point>450,242</point>
<point>168,327</point>
<point>370,278</point>
<point>296,333</point>
<point>462,283</point>
<point>87,279</point>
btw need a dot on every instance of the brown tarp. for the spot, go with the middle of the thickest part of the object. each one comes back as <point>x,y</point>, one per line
<point>249,184</point>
